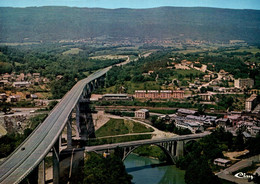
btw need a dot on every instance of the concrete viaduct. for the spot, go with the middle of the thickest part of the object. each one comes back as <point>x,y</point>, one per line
<point>46,138</point>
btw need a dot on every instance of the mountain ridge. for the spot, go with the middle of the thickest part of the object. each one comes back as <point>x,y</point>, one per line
<point>53,23</point>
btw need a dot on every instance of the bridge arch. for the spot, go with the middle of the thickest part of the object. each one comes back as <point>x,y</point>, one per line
<point>170,157</point>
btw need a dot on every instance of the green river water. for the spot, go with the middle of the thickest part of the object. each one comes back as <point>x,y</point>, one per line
<point>151,171</point>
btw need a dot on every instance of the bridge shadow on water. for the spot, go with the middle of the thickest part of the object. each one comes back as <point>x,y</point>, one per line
<point>134,169</point>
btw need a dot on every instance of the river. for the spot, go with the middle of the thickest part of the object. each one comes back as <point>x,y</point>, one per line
<point>152,171</point>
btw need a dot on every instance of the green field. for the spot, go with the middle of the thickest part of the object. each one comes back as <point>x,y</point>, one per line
<point>121,127</point>
<point>72,51</point>
<point>251,49</point>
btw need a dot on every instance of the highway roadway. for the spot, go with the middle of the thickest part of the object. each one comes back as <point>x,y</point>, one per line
<point>34,149</point>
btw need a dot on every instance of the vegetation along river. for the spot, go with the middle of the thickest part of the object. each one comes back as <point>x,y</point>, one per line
<point>152,171</point>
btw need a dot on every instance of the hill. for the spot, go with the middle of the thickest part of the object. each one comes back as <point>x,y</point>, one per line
<point>58,23</point>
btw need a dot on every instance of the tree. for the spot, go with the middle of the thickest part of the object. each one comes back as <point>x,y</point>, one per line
<point>199,172</point>
<point>100,170</point>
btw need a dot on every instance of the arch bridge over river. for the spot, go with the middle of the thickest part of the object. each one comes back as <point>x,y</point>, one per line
<point>29,156</point>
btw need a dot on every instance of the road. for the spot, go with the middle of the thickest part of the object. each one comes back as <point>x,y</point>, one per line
<point>227,173</point>
<point>20,111</point>
<point>22,161</point>
<point>210,82</point>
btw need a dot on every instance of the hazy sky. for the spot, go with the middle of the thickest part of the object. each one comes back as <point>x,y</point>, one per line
<point>234,4</point>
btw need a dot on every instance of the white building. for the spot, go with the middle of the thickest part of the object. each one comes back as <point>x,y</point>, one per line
<point>244,83</point>
<point>192,126</point>
<point>142,113</point>
<point>21,84</point>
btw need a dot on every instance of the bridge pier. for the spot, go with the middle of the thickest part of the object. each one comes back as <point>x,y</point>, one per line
<point>41,173</point>
<point>180,149</point>
<point>56,161</point>
<point>77,121</point>
<point>69,133</point>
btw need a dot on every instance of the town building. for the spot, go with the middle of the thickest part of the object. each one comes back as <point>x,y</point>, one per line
<point>36,75</point>
<point>206,77</point>
<point>192,126</point>
<point>165,94</point>
<point>21,84</point>
<point>7,77</point>
<point>33,96</point>
<point>186,112</point>
<point>142,113</point>
<point>3,83</point>
<point>156,94</point>
<point>244,83</point>
<point>3,97</point>
<point>140,93</point>
<point>152,94</point>
<point>178,94</point>
<point>13,99</point>
<point>223,122</point>
<point>255,130</point>
<point>205,97</point>
<point>116,97</point>
<point>251,102</point>
<point>222,162</point>
<point>234,119</point>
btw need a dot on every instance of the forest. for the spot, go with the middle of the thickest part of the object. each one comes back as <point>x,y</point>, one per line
<point>47,24</point>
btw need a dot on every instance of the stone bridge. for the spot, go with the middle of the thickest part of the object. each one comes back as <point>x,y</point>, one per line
<point>173,147</point>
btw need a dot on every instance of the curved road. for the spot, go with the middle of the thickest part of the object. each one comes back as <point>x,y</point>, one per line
<point>33,150</point>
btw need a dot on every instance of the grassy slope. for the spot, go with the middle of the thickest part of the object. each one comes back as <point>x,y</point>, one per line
<point>120,126</point>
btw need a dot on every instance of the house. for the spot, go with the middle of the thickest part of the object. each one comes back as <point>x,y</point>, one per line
<point>3,83</point>
<point>165,94</point>
<point>59,77</point>
<point>244,83</point>
<point>3,97</point>
<point>142,113</point>
<point>246,136</point>
<point>28,75</point>
<point>234,119</point>
<point>186,112</point>
<point>223,122</point>
<point>186,124</point>
<point>22,76</point>
<point>150,72</point>
<point>112,97</point>
<point>255,130</point>
<point>13,99</point>
<point>33,96</point>
<point>205,97</point>
<point>153,94</point>
<point>222,162</point>
<point>45,80</point>
<point>21,84</point>
<point>206,77</point>
<point>7,77</point>
<point>140,93</point>
<point>36,75</point>
<point>178,94</point>
<point>251,102</point>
